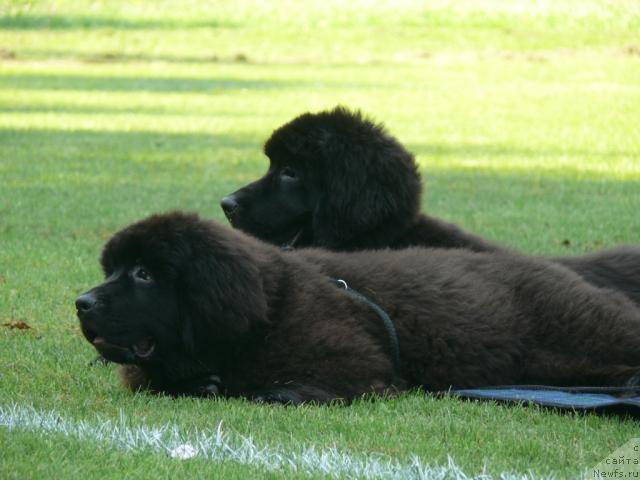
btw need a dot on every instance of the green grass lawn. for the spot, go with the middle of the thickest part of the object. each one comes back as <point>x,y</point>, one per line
<point>524,117</point>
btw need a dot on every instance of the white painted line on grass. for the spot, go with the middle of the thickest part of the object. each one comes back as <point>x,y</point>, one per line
<point>221,446</point>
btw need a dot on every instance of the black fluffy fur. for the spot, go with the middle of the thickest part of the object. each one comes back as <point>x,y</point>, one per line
<point>356,187</point>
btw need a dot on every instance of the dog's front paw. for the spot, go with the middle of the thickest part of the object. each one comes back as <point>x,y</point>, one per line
<point>99,360</point>
<point>211,386</point>
<point>207,386</point>
<point>278,396</point>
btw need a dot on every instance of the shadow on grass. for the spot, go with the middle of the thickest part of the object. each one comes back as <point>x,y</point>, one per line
<point>89,109</point>
<point>203,57</point>
<point>142,83</point>
<point>119,110</point>
<point>35,144</point>
<point>478,150</point>
<point>86,22</point>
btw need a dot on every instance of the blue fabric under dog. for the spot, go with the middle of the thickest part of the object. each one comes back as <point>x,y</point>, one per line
<point>571,398</point>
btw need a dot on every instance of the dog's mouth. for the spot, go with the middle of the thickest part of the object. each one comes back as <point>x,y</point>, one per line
<point>141,350</point>
<point>144,348</point>
<point>231,219</point>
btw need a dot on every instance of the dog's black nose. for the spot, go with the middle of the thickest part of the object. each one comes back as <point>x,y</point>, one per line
<point>86,302</point>
<point>229,205</point>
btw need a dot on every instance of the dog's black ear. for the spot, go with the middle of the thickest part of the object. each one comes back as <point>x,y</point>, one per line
<point>372,187</point>
<point>221,295</point>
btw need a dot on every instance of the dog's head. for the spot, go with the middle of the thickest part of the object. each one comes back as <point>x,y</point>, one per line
<point>176,288</point>
<point>335,180</point>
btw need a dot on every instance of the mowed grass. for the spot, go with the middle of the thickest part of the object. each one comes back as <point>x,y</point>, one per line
<point>525,120</point>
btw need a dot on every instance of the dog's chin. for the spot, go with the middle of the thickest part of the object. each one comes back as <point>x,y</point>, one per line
<point>297,236</point>
<point>293,241</point>
<point>294,234</point>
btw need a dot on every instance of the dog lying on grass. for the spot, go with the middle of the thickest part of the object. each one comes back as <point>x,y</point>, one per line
<point>341,182</point>
<point>190,307</point>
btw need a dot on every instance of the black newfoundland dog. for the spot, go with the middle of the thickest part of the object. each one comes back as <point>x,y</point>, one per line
<point>339,181</point>
<point>190,307</point>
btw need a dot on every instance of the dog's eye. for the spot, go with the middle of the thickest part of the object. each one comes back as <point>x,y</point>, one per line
<point>288,173</point>
<point>141,274</point>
